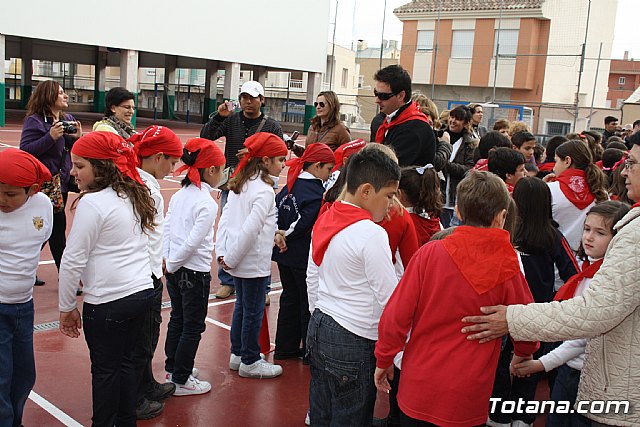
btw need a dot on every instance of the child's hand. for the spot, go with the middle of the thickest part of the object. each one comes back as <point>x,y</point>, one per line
<point>550,177</point>
<point>280,241</point>
<point>71,323</point>
<point>222,263</point>
<point>528,368</point>
<point>514,361</point>
<point>381,378</point>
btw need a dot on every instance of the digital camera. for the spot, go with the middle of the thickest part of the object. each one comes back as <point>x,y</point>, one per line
<point>68,127</point>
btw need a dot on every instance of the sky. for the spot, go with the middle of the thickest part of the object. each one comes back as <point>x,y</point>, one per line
<point>362,19</point>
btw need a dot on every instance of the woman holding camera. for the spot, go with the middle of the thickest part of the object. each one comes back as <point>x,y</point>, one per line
<point>48,134</point>
<point>119,110</point>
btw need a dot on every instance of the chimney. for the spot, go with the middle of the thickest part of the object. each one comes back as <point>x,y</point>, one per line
<point>626,55</point>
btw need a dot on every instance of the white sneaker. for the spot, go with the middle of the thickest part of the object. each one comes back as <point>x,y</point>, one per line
<point>192,386</point>
<point>492,423</point>
<point>260,369</point>
<point>307,419</point>
<point>235,361</point>
<point>194,373</point>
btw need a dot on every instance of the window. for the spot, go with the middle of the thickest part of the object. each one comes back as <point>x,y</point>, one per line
<point>462,45</point>
<point>622,80</point>
<point>508,42</point>
<point>360,82</point>
<point>425,41</point>
<point>345,77</point>
<point>558,128</point>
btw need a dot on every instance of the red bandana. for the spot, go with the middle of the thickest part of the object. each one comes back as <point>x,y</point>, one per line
<point>317,152</point>
<point>261,144</point>
<point>21,169</point>
<point>573,184</point>
<point>546,166</point>
<point>412,112</point>
<point>208,155</point>
<point>345,150</point>
<point>568,290</point>
<point>154,140</point>
<point>339,216</point>
<point>484,256</point>
<point>108,146</point>
<point>482,165</point>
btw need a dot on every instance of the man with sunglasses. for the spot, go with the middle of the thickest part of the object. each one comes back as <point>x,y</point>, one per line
<point>236,127</point>
<point>405,128</point>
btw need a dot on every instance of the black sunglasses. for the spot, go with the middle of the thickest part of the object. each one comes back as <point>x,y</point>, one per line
<point>321,104</point>
<point>383,96</point>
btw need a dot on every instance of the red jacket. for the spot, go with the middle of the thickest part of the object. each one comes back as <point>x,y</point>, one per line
<point>447,379</point>
<point>402,235</point>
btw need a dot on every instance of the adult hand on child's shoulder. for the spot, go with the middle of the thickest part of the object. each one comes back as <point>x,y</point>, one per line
<point>488,327</point>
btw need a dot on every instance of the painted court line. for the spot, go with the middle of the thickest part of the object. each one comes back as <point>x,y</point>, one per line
<point>53,410</point>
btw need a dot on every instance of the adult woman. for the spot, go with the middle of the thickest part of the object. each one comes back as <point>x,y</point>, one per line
<point>477,113</point>
<point>443,148</point>
<point>108,251</point>
<point>326,126</point>
<point>460,160</point>
<point>44,136</point>
<point>608,313</point>
<point>119,109</point>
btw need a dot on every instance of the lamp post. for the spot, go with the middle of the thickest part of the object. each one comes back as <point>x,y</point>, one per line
<point>333,47</point>
<point>584,48</point>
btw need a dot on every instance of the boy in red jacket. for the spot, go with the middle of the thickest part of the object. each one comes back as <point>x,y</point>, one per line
<point>447,379</point>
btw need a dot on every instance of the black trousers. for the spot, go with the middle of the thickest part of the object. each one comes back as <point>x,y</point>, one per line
<point>58,239</point>
<point>293,316</point>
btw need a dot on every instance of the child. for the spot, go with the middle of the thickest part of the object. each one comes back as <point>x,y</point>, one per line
<point>569,357</point>
<point>298,209</point>
<point>342,157</point>
<point>244,245</point>
<point>542,248</point>
<point>108,250</point>
<point>578,185</point>
<point>419,192</point>
<point>426,302</point>
<point>546,167</point>
<point>26,221</point>
<point>508,164</point>
<point>187,250</point>
<point>349,279</point>
<point>157,150</point>
<point>531,170</point>
<point>488,143</point>
<point>525,143</point>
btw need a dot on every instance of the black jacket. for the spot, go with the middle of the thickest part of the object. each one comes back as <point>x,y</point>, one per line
<point>414,141</point>
<point>235,132</point>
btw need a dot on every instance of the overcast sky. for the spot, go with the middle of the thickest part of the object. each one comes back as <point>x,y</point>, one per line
<point>362,19</point>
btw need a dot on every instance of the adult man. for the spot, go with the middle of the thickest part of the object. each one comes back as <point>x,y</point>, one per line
<point>610,126</point>
<point>608,313</point>
<point>405,128</point>
<point>236,127</point>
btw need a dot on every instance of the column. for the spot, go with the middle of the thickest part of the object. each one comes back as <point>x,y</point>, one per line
<point>314,84</point>
<point>169,92</point>
<point>2,82</point>
<point>260,75</point>
<point>26,71</point>
<point>100,80</point>
<point>210,90</point>
<point>129,75</point>
<point>231,80</point>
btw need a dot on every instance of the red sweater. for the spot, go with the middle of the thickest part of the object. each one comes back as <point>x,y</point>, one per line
<point>402,235</point>
<point>447,379</point>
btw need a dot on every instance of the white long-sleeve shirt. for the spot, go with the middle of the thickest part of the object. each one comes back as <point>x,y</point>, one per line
<point>22,234</point>
<point>570,219</point>
<point>106,249</point>
<point>246,230</point>
<point>355,280</point>
<point>155,236</point>
<point>188,229</point>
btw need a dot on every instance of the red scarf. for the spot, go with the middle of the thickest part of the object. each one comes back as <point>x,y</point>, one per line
<point>546,166</point>
<point>314,153</point>
<point>208,155</point>
<point>636,205</point>
<point>21,169</point>
<point>568,290</point>
<point>339,216</point>
<point>108,146</point>
<point>261,144</point>
<point>482,165</point>
<point>154,140</point>
<point>412,112</point>
<point>343,152</point>
<point>573,184</point>
<point>484,256</point>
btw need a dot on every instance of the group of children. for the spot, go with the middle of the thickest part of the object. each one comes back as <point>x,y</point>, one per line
<point>372,287</point>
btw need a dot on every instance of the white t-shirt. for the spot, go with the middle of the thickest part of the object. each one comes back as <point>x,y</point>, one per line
<point>106,249</point>
<point>22,234</point>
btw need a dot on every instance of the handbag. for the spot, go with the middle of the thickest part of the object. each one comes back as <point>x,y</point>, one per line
<point>53,190</point>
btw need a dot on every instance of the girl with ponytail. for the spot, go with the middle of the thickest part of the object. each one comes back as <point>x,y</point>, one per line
<point>576,185</point>
<point>419,192</point>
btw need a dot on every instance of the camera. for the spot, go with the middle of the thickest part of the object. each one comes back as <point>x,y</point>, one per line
<point>233,105</point>
<point>68,127</point>
<point>290,140</point>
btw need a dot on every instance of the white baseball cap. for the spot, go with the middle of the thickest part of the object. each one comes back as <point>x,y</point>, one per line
<point>252,88</point>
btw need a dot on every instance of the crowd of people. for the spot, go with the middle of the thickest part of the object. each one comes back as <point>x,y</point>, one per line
<point>466,261</point>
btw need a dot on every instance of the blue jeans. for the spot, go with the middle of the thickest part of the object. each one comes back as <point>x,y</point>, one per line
<point>111,330</point>
<point>247,318</point>
<point>341,391</point>
<point>566,388</point>
<point>17,364</point>
<point>189,293</point>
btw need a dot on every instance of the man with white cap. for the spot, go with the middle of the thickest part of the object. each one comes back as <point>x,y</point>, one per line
<point>236,127</point>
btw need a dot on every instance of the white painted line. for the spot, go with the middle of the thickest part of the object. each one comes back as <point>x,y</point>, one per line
<point>53,410</point>
<point>172,180</point>
<point>230,301</point>
<point>220,324</point>
<point>45,262</point>
<point>7,145</point>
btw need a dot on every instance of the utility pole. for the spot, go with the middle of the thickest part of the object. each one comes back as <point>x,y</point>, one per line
<point>582,55</point>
